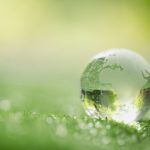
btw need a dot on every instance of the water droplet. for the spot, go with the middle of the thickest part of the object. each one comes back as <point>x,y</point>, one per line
<point>82,125</point>
<point>49,120</point>
<point>90,125</point>
<point>121,141</point>
<point>93,131</point>
<point>5,105</point>
<point>116,85</point>
<point>105,140</point>
<point>108,127</point>
<point>97,124</point>
<point>61,130</point>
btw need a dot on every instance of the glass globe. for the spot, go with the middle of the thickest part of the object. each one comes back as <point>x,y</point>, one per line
<point>116,85</point>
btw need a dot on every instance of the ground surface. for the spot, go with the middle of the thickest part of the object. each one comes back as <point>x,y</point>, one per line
<point>31,130</point>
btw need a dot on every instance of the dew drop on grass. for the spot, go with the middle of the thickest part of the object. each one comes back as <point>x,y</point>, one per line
<point>93,131</point>
<point>49,120</point>
<point>97,125</point>
<point>61,130</point>
<point>116,85</point>
<point>5,105</point>
<point>90,125</point>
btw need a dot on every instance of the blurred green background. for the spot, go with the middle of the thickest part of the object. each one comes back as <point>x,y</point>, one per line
<point>45,45</point>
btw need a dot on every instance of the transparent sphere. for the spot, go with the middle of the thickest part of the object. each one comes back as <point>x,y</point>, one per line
<point>116,85</point>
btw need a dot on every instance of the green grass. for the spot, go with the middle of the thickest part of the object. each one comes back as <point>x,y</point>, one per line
<point>43,116</point>
<point>31,130</point>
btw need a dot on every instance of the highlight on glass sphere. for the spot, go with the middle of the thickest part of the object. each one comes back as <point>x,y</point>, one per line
<point>116,85</point>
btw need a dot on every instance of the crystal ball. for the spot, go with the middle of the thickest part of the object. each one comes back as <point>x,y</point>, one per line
<point>116,85</point>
